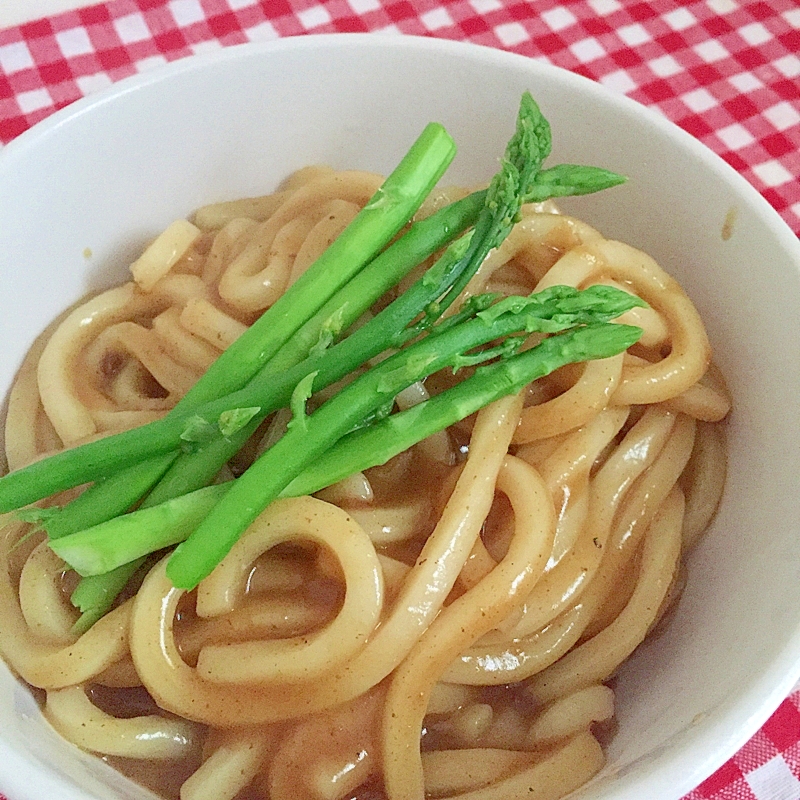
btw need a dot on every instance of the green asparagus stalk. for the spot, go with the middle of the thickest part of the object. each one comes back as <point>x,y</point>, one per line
<point>128,538</point>
<point>309,437</point>
<point>273,386</point>
<point>526,152</point>
<point>102,499</point>
<point>524,155</point>
<point>95,595</point>
<point>379,221</point>
<point>375,445</point>
<point>568,180</point>
<point>111,544</point>
<point>395,202</point>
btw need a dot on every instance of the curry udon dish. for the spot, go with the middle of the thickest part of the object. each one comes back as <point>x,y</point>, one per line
<point>360,489</point>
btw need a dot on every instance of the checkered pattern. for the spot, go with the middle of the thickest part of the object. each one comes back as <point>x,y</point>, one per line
<point>727,71</point>
<point>767,767</point>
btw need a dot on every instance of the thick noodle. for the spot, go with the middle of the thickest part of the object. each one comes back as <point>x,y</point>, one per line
<point>442,626</point>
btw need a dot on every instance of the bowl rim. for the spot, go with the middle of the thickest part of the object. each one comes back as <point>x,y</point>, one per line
<point>350,40</point>
<point>748,711</point>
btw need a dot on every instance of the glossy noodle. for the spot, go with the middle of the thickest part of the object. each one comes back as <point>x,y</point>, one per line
<point>445,625</point>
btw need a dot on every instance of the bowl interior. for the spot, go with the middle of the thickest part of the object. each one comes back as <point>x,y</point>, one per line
<point>83,192</point>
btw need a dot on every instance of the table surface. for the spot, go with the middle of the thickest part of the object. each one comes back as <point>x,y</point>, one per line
<point>17,12</point>
<point>727,71</point>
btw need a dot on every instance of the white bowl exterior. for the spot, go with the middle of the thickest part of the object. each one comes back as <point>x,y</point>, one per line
<point>86,189</point>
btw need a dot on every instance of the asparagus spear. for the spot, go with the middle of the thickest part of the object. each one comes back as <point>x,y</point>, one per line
<point>309,437</point>
<point>568,180</point>
<point>118,541</point>
<point>387,211</point>
<point>273,385</point>
<point>376,444</point>
<point>194,470</point>
<point>373,228</point>
<point>525,153</point>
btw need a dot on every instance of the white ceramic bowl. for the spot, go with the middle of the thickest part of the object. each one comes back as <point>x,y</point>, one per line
<point>107,173</point>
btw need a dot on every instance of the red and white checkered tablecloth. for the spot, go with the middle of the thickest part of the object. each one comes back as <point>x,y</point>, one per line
<point>727,71</point>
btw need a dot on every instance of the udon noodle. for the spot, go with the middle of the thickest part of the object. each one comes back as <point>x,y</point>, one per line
<point>445,625</point>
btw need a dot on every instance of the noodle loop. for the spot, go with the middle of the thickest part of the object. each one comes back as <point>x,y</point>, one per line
<point>304,657</point>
